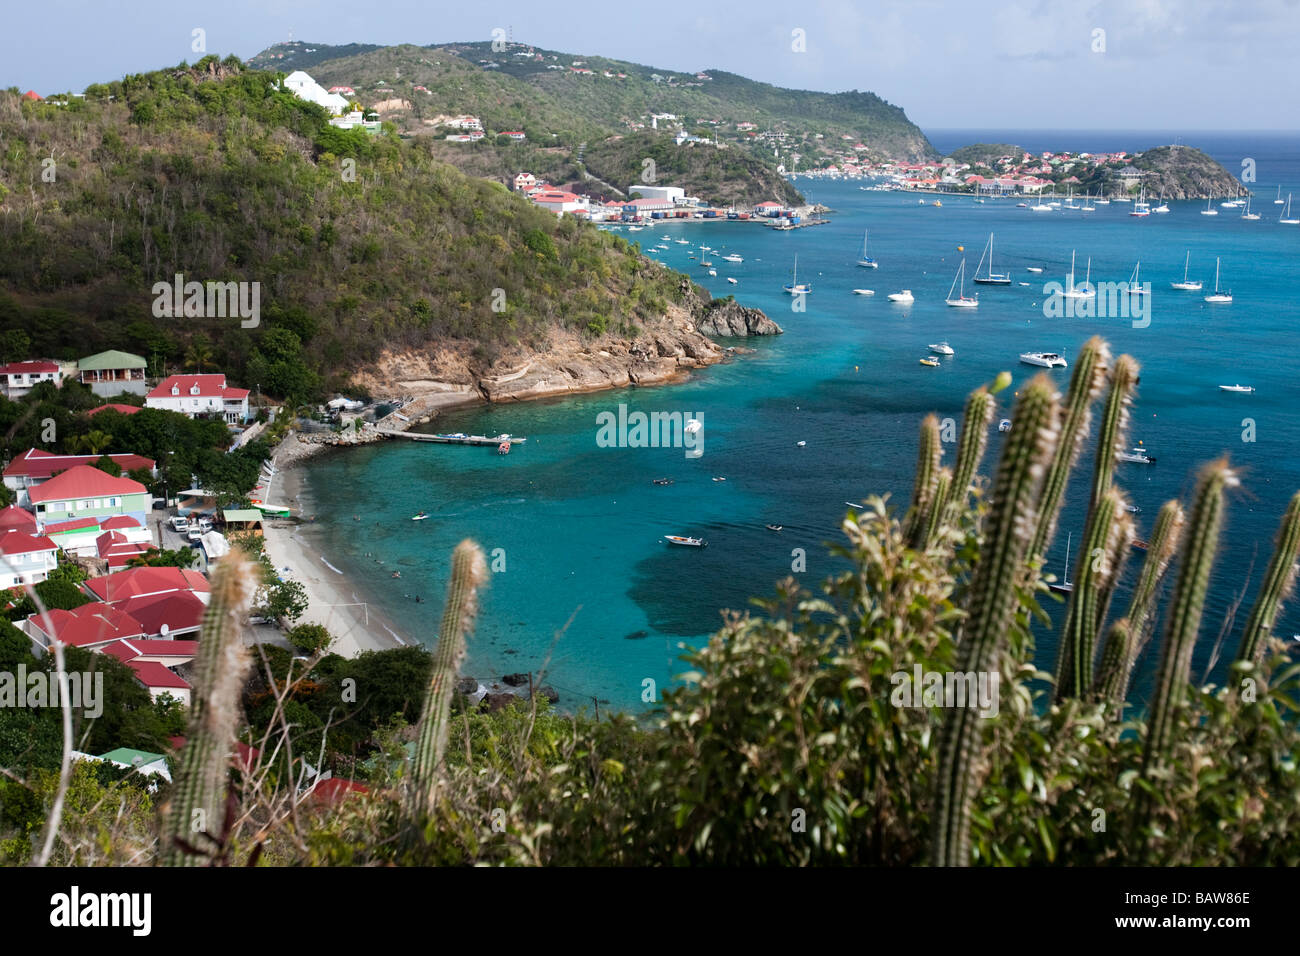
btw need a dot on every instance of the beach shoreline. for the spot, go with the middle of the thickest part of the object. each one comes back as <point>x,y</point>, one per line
<point>356,623</point>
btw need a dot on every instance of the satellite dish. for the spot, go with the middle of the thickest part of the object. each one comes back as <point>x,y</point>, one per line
<point>164,630</point>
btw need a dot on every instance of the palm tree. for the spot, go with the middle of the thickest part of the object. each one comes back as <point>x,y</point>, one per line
<point>92,443</point>
<point>198,355</point>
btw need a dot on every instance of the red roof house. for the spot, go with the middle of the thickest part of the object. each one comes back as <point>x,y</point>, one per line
<point>35,466</point>
<point>165,615</point>
<point>14,518</point>
<point>333,790</point>
<point>114,548</point>
<point>32,95</point>
<point>117,407</point>
<point>145,582</point>
<point>90,625</point>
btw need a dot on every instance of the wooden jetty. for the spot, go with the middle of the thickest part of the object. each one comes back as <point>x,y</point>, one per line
<point>457,439</point>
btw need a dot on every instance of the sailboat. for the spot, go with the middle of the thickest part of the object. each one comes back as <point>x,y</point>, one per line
<point>1163,207</point>
<point>1065,587</point>
<point>1141,207</point>
<point>1219,298</point>
<point>865,260</point>
<point>1209,210</point>
<point>993,278</point>
<point>1285,219</point>
<point>1187,285</point>
<point>1085,291</point>
<point>1278,201</point>
<point>1248,214</point>
<point>796,287</point>
<point>1087,203</point>
<point>962,301</point>
<point>1134,284</point>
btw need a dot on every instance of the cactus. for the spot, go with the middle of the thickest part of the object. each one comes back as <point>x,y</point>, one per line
<point>927,469</point>
<point>993,601</point>
<point>970,450</point>
<point>199,796</point>
<point>1278,581</point>
<point>1079,635</point>
<point>941,512</point>
<point>1114,674</point>
<point>468,574</point>
<point>1186,605</point>
<point>1114,424</point>
<point>1076,418</point>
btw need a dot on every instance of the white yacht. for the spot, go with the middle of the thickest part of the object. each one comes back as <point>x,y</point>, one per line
<point>1279,200</point>
<point>1033,268</point>
<point>1138,456</point>
<point>1285,219</point>
<point>864,291</point>
<point>1044,359</point>
<point>943,348</point>
<point>904,296</point>
<point>963,301</point>
<point>992,278</point>
<point>1187,285</point>
<point>1209,210</point>
<point>1218,298</point>
<point>732,257</point>
<point>866,261</point>
<point>1248,215</point>
<point>1134,283</point>
<point>1237,388</point>
<point>796,287</point>
<point>1041,206</point>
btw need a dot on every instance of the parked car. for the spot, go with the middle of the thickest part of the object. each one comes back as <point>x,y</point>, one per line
<point>180,524</point>
<point>195,533</point>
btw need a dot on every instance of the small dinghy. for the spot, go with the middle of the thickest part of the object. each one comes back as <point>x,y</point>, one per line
<point>774,527</point>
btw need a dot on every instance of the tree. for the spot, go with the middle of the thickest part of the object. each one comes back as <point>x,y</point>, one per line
<point>94,442</point>
<point>155,558</point>
<point>309,638</point>
<point>108,466</point>
<point>199,355</point>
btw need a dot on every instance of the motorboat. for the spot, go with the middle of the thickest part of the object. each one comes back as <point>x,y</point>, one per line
<point>685,541</point>
<point>774,527</point>
<point>662,481</point>
<point>732,257</point>
<point>731,280</point>
<point>1033,268</point>
<point>864,292</point>
<point>943,348</point>
<point>1043,359</point>
<point>1138,456</point>
<point>1004,426</point>
<point>931,361</point>
<point>904,296</point>
<point>1237,388</point>
<point>419,516</point>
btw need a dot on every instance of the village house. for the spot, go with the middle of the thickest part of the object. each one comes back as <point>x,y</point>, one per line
<point>558,201</point>
<point>356,119</point>
<point>515,135</point>
<point>153,663</point>
<point>35,467</point>
<point>91,627</point>
<point>193,395</point>
<point>22,377</point>
<point>85,496</point>
<point>304,87</point>
<point>26,559</point>
<point>112,373</point>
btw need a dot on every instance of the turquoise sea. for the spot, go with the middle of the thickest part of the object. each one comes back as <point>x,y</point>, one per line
<point>586,584</point>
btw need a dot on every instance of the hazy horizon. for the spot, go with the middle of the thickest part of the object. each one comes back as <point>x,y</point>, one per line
<point>1189,65</point>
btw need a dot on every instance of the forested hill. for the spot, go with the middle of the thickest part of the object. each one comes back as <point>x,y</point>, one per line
<point>360,244</point>
<point>565,99</point>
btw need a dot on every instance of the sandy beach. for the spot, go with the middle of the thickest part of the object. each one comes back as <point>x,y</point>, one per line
<point>332,602</point>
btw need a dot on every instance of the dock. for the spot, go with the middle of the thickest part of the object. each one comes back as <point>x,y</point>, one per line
<point>453,439</point>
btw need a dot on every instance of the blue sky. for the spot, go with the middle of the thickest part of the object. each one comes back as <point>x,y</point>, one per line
<point>1169,64</point>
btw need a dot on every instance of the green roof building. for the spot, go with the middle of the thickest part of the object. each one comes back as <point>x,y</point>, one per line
<point>112,373</point>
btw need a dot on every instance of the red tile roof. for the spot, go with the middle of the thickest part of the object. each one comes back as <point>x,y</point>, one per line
<point>89,624</point>
<point>145,647</point>
<point>62,527</point>
<point>15,518</point>
<point>83,481</point>
<point>210,386</point>
<point>135,582</point>
<point>19,542</point>
<point>117,407</point>
<point>117,551</point>
<point>180,611</point>
<point>152,675</point>
<point>335,789</point>
<point>35,463</point>
<point>118,522</point>
<point>29,368</point>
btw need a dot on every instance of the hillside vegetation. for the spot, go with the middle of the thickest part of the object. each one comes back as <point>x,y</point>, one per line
<point>360,243</point>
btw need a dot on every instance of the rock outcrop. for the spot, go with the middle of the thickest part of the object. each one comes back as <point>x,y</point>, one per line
<point>729,318</point>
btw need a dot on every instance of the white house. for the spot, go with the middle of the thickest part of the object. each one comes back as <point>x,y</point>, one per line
<point>22,377</point>
<point>305,88</point>
<point>199,395</point>
<point>26,559</point>
<point>674,194</point>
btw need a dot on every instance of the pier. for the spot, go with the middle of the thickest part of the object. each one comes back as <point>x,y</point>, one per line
<point>452,439</point>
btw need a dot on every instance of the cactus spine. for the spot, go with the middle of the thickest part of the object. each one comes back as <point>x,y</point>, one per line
<point>1185,609</point>
<point>1079,635</point>
<point>198,800</point>
<point>468,574</point>
<point>970,450</point>
<point>927,476</point>
<point>1076,418</point>
<point>992,609</point>
<point>1277,584</point>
